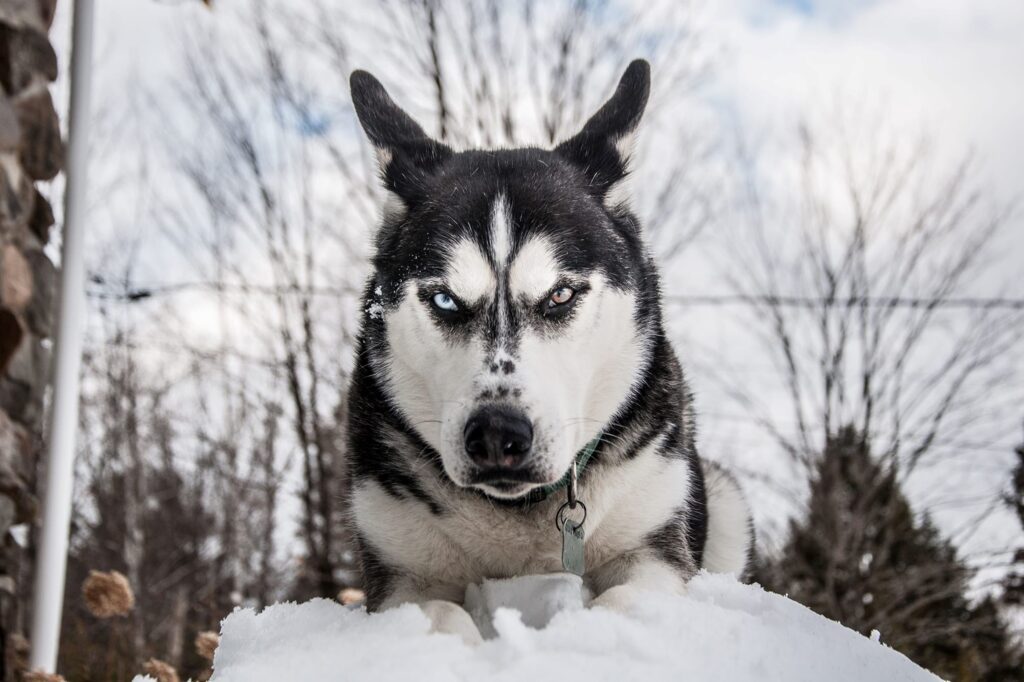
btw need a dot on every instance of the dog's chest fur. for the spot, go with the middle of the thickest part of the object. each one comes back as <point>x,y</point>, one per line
<point>472,538</point>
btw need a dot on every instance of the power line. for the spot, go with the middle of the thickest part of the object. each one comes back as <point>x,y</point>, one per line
<point>134,294</point>
<point>142,292</point>
<point>848,302</point>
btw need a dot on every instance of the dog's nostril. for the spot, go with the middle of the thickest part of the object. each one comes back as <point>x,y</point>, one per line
<point>475,442</point>
<point>513,447</point>
<point>498,437</point>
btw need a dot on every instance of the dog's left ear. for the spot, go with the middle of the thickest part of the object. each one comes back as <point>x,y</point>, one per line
<point>603,147</point>
<point>405,153</point>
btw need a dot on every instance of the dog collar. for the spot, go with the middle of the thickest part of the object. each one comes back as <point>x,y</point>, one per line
<point>582,458</point>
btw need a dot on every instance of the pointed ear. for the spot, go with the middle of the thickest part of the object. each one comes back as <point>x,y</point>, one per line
<point>603,147</point>
<point>405,153</point>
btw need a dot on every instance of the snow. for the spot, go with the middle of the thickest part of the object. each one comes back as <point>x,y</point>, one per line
<point>720,630</point>
<point>537,598</point>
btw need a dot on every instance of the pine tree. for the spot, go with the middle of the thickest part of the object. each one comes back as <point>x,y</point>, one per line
<point>860,557</point>
<point>1013,584</point>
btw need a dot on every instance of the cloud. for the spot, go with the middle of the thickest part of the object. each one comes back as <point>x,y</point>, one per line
<point>952,68</point>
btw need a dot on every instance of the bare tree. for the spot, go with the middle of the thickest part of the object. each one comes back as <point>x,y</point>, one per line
<point>863,270</point>
<point>274,224</point>
<point>228,287</point>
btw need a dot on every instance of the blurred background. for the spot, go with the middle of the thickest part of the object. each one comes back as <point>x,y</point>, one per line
<point>831,189</point>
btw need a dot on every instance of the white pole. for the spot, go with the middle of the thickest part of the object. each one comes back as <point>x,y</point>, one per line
<point>51,561</point>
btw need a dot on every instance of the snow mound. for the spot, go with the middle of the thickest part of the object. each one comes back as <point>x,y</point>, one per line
<point>720,630</point>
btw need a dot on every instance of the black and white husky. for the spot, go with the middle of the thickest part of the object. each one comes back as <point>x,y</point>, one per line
<point>512,332</point>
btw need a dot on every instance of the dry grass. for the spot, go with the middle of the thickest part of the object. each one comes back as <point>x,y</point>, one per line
<point>206,644</point>
<point>108,594</point>
<point>39,676</point>
<point>163,672</point>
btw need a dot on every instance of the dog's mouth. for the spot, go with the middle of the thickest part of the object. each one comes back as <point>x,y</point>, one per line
<point>507,483</point>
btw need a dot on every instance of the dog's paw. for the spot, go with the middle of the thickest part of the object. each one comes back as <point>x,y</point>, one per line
<point>619,599</point>
<point>450,618</point>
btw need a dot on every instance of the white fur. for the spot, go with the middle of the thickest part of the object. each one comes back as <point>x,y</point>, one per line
<point>625,146</point>
<point>729,524</point>
<point>440,555</point>
<point>574,381</point>
<point>621,192</point>
<point>393,208</point>
<point>501,231</point>
<point>430,381</point>
<point>384,157</point>
<point>469,275</point>
<point>534,271</point>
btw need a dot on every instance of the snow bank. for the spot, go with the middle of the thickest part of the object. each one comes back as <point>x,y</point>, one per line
<point>721,630</point>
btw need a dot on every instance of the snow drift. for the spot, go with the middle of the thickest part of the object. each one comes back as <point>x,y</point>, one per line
<point>721,630</point>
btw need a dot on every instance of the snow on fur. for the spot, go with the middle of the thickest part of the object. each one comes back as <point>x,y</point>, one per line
<point>720,630</point>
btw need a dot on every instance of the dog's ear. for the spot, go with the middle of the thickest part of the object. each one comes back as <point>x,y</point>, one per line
<point>602,149</point>
<point>405,153</point>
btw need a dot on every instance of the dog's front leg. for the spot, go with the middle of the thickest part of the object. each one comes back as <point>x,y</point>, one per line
<point>441,605</point>
<point>618,583</point>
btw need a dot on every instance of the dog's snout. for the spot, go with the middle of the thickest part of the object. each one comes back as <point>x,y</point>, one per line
<point>498,438</point>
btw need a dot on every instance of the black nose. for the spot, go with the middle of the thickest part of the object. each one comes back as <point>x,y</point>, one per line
<point>498,438</point>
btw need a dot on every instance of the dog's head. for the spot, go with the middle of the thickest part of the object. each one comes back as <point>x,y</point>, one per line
<point>513,303</point>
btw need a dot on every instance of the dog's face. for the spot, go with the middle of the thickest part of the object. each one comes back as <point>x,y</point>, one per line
<point>510,323</point>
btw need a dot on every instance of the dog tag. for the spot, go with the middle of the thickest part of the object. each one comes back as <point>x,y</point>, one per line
<point>572,547</point>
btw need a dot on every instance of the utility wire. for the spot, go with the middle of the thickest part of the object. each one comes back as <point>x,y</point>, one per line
<point>848,302</point>
<point>141,293</point>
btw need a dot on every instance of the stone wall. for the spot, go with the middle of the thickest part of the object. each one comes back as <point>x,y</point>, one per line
<point>31,151</point>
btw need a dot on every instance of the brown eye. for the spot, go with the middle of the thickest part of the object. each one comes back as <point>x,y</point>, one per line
<point>561,296</point>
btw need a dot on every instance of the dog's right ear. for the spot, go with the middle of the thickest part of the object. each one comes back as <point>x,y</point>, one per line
<point>602,149</point>
<point>405,154</point>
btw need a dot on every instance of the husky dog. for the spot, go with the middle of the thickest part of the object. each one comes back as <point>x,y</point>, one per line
<point>513,317</point>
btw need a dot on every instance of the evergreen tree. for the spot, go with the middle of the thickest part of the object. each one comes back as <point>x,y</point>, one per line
<point>1013,585</point>
<point>861,558</point>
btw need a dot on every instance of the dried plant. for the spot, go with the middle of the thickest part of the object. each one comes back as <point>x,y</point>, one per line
<point>163,672</point>
<point>206,644</point>
<point>40,676</point>
<point>108,594</point>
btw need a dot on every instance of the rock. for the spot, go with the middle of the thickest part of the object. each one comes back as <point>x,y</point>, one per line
<point>47,10</point>
<point>41,219</point>
<point>8,516</point>
<point>29,367</point>
<point>10,131</point>
<point>39,313</point>
<point>15,279</point>
<point>16,193</point>
<point>10,447</point>
<point>11,333</point>
<point>16,449</point>
<point>29,57</point>
<point>42,149</point>
<point>27,13</point>
<point>14,398</point>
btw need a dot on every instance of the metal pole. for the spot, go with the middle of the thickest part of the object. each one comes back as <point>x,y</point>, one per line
<point>51,561</point>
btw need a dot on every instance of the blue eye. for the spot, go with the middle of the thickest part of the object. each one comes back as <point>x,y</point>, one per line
<point>445,302</point>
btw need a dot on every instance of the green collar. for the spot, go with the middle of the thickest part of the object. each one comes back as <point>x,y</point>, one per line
<point>582,459</point>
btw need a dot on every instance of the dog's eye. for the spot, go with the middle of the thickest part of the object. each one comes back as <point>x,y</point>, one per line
<point>443,301</point>
<point>561,296</point>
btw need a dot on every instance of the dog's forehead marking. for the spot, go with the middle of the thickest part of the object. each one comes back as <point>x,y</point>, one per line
<point>501,231</point>
<point>469,275</point>
<point>534,270</point>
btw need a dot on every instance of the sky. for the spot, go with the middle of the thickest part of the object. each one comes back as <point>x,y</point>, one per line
<point>951,68</point>
<point>947,66</point>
